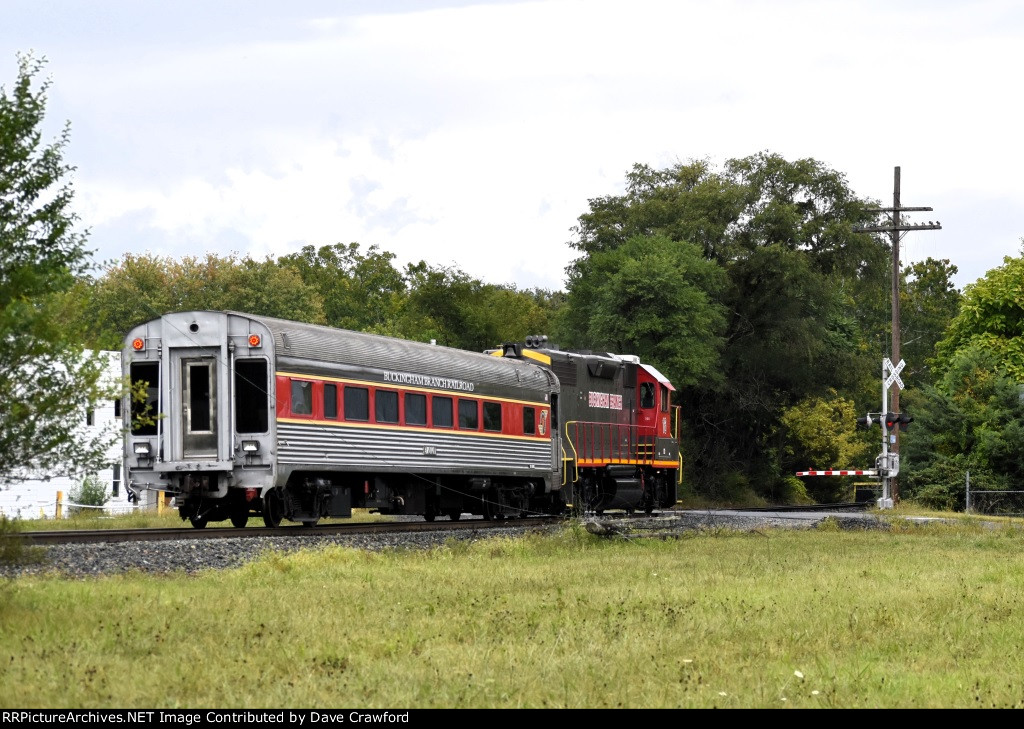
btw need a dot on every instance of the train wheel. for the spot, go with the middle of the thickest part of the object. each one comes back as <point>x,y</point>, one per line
<point>239,519</point>
<point>273,508</point>
<point>198,522</point>
<point>454,515</point>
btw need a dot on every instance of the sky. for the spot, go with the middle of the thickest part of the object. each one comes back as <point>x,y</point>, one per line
<point>472,134</point>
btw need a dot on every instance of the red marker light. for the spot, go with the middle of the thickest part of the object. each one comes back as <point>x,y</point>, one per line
<point>254,340</point>
<point>138,344</point>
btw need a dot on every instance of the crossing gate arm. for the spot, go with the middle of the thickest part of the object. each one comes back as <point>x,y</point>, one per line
<point>861,472</point>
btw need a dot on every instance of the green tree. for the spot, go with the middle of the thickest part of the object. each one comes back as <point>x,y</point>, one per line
<point>971,420</point>
<point>991,317</point>
<point>359,291</point>
<point>142,287</point>
<point>929,301</point>
<point>656,296</point>
<point>449,306</point>
<point>821,435</point>
<point>48,383</point>
<point>804,292</point>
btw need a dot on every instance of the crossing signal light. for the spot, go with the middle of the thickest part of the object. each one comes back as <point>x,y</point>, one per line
<point>865,422</point>
<point>901,420</point>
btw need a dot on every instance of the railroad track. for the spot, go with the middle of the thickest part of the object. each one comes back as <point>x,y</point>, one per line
<point>93,536</point>
<point>850,506</point>
<point>67,536</point>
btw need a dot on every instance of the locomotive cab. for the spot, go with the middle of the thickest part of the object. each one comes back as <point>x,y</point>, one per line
<point>618,428</point>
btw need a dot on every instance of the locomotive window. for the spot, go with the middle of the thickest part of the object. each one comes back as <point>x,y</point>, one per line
<point>251,410</point>
<point>357,403</point>
<point>469,414</point>
<point>415,409</point>
<point>144,413</point>
<point>302,397</point>
<point>664,399</point>
<point>529,421</point>
<point>492,416</point>
<point>330,401</point>
<point>386,406</point>
<point>647,394</point>
<point>442,412</point>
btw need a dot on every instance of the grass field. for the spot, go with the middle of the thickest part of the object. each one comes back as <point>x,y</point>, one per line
<point>920,616</point>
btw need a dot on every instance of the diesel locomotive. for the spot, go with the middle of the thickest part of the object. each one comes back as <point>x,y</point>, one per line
<point>249,415</point>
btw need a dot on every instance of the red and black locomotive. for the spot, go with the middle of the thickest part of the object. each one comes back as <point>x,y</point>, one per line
<point>250,415</point>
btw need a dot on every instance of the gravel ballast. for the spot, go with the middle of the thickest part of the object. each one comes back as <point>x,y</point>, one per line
<point>191,556</point>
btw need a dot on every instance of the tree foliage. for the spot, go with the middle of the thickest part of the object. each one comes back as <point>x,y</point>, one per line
<point>142,287</point>
<point>821,435</point>
<point>991,317</point>
<point>656,296</point>
<point>48,383</point>
<point>929,301</point>
<point>801,289</point>
<point>970,420</point>
<point>358,291</point>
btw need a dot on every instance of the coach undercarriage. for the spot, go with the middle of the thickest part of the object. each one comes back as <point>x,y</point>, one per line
<point>309,497</point>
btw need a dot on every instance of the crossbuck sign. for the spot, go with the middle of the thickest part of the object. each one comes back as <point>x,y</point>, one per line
<point>894,373</point>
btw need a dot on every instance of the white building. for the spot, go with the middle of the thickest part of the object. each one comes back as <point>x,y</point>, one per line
<point>36,496</point>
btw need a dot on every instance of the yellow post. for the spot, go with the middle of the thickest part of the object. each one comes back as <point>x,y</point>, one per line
<point>160,503</point>
<point>60,504</point>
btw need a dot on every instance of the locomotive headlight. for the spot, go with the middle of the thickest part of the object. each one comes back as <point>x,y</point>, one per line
<point>250,446</point>
<point>142,449</point>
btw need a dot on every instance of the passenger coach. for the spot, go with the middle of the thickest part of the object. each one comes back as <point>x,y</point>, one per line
<point>249,415</point>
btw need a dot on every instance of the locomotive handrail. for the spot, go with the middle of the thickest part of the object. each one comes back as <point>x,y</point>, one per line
<point>609,443</point>
<point>575,460</point>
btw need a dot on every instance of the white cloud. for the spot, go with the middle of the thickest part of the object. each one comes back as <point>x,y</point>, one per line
<point>473,135</point>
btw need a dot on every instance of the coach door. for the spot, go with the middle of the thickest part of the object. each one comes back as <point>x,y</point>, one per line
<point>199,408</point>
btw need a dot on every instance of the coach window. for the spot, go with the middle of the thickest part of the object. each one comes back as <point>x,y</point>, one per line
<point>357,403</point>
<point>144,414</point>
<point>251,399</point>
<point>386,406</point>
<point>529,421</point>
<point>469,415</point>
<point>442,412</point>
<point>302,397</point>
<point>330,401</point>
<point>492,416</point>
<point>647,394</point>
<point>415,409</point>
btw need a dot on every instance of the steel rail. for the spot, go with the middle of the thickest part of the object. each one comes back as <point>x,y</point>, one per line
<point>70,536</point>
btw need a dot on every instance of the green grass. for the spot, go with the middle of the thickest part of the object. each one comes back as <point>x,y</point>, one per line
<point>919,616</point>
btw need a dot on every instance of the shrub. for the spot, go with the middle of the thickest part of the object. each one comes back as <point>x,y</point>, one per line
<point>91,492</point>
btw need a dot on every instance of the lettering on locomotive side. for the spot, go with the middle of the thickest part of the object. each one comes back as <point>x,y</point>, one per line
<point>605,400</point>
<point>445,383</point>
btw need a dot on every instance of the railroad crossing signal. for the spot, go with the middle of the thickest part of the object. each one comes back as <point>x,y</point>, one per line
<point>894,373</point>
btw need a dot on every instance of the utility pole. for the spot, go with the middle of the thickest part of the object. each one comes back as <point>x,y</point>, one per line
<point>895,227</point>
